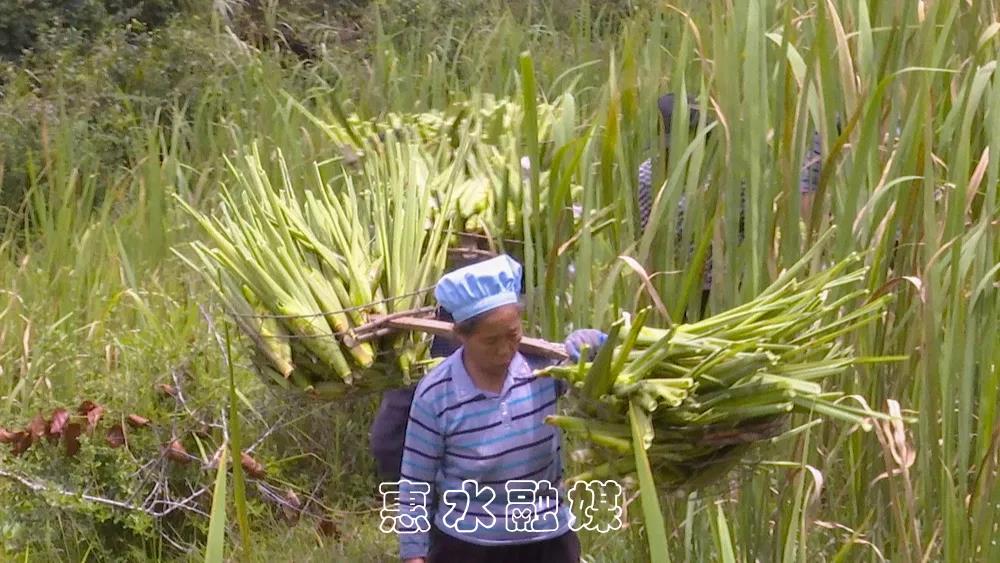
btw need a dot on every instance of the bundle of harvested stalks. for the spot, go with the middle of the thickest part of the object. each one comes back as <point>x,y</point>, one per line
<point>489,196</point>
<point>301,270</point>
<point>689,402</point>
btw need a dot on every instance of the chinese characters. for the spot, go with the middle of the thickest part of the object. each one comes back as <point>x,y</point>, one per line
<point>531,506</point>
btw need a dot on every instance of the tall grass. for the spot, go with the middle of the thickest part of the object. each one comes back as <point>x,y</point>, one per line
<point>923,205</point>
<point>905,97</point>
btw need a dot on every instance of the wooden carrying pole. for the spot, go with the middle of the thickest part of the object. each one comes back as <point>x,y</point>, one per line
<point>533,346</point>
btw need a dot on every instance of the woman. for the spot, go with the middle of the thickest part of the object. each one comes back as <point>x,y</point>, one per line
<point>479,416</point>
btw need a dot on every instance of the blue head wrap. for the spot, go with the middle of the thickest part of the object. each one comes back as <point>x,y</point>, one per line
<point>479,288</point>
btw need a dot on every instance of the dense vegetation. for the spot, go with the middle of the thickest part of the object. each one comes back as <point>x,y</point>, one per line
<point>110,109</point>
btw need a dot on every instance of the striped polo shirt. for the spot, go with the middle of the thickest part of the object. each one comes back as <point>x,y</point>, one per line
<point>458,432</point>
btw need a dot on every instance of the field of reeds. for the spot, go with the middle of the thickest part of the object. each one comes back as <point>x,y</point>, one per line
<point>126,382</point>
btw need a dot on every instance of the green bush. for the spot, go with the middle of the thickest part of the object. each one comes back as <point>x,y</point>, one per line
<point>27,25</point>
<point>102,93</point>
<point>82,526</point>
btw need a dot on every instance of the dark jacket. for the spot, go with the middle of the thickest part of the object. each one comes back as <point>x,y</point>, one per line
<point>389,427</point>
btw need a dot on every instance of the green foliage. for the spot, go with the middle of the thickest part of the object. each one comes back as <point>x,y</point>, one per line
<point>23,24</point>
<point>31,25</point>
<point>94,138</point>
<point>215,547</point>
<point>67,526</point>
<point>101,97</point>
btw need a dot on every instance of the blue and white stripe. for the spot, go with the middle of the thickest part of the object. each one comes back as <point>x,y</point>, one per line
<point>458,432</point>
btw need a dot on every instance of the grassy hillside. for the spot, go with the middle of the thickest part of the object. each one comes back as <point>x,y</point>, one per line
<point>96,137</point>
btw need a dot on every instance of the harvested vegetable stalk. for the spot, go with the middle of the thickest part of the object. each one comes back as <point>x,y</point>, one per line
<point>490,190</point>
<point>300,269</point>
<point>713,388</point>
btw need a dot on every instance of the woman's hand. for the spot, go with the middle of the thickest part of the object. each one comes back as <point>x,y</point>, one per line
<point>591,338</point>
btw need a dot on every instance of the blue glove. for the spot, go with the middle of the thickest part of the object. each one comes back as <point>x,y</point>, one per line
<point>584,337</point>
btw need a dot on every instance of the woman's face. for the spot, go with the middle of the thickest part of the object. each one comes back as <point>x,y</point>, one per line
<point>494,340</point>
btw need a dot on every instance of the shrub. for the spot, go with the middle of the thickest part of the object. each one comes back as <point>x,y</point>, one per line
<point>27,25</point>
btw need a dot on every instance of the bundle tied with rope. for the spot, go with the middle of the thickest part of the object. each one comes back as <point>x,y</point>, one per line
<point>306,272</point>
<point>680,407</point>
<point>482,133</point>
<point>315,273</point>
<point>333,282</point>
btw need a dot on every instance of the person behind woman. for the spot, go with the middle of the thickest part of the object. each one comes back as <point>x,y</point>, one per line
<point>645,195</point>
<point>479,416</point>
<point>808,175</point>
